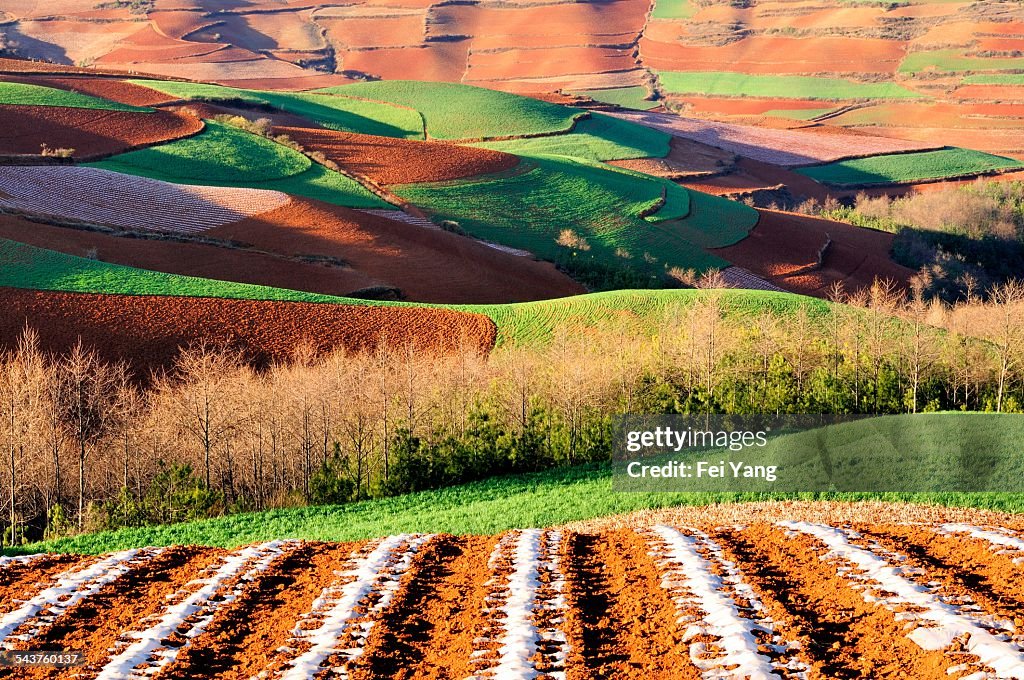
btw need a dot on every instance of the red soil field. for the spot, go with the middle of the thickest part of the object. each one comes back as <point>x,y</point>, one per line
<point>445,61</point>
<point>428,265</point>
<point>772,54</point>
<point>993,141</point>
<point>736,106</point>
<point>149,331</point>
<point>575,23</point>
<point>106,88</point>
<point>631,603</point>
<point>89,132</point>
<point>8,65</point>
<point>1000,44</point>
<point>783,249</point>
<point>385,160</point>
<point>498,42</point>
<point>178,24</point>
<point>357,31</point>
<point>990,92</point>
<point>544,63</point>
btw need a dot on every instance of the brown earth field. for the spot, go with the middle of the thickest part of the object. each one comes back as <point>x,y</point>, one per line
<point>664,601</point>
<point>149,331</point>
<point>385,160</point>
<point>783,248</point>
<point>91,133</point>
<point>319,248</point>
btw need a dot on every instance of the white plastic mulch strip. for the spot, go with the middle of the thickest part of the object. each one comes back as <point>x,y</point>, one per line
<point>338,607</point>
<point>688,559</point>
<point>19,559</point>
<point>520,599</point>
<point>70,588</point>
<point>935,624</point>
<point>194,606</point>
<point>1001,540</point>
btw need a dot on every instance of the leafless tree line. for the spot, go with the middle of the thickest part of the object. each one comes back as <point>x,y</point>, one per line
<point>76,429</point>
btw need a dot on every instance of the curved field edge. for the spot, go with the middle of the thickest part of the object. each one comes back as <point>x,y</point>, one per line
<point>224,156</point>
<point>25,266</point>
<point>949,163</point>
<point>550,498</point>
<point>27,94</point>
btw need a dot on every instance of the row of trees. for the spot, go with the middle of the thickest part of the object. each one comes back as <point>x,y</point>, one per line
<point>87,446</point>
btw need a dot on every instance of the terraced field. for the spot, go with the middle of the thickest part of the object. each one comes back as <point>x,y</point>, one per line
<point>27,94</point>
<point>223,155</point>
<point>911,167</point>
<point>727,83</point>
<point>788,599</point>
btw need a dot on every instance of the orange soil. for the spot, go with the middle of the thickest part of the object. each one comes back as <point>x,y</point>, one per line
<point>386,160</point>
<point>8,65</point>
<point>499,42</point>
<point>243,637</point>
<point>996,92</point>
<point>746,106</point>
<point>94,625</point>
<point>843,635</point>
<point>20,582</point>
<point>548,62</point>
<point>575,22</point>
<point>1000,44</point>
<point>178,24</point>
<point>148,331</point>
<point>108,88</point>
<point>356,32</point>
<point>783,249</point>
<point>992,141</point>
<point>966,567</point>
<point>428,633</point>
<point>90,132</point>
<point>254,266</point>
<point>443,61</point>
<point>428,265</point>
<point>773,54</point>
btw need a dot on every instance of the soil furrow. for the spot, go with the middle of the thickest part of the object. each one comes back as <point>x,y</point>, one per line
<point>842,635</point>
<point>622,623</point>
<point>21,581</point>
<point>429,631</point>
<point>94,626</point>
<point>242,637</point>
<point>965,567</point>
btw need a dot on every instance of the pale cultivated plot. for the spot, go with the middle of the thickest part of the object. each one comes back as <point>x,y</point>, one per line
<point>738,277</point>
<point>708,604</point>
<point>933,623</point>
<point>73,42</point>
<point>97,196</point>
<point>189,613</point>
<point>250,69</point>
<point>991,141</point>
<point>779,147</point>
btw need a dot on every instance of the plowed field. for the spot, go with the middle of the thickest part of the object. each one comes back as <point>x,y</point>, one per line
<point>788,599</point>
<point>148,330</point>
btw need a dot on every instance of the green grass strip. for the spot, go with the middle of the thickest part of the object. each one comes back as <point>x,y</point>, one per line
<point>486,507</point>
<point>25,94</point>
<point>627,97</point>
<point>334,113</point>
<point>457,111</point>
<point>954,60</point>
<point>728,83</point>
<point>995,79</point>
<point>598,138</point>
<point>909,167</point>
<point>222,155</point>
<point>673,9</point>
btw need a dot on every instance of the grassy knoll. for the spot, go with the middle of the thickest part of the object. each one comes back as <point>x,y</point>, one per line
<point>223,155</point>
<point>673,9</point>
<point>603,205</point>
<point>728,83</point>
<point>955,60</point>
<point>627,97</point>
<point>909,167</point>
<point>25,266</point>
<point>26,94</point>
<point>335,113</point>
<point>486,507</point>
<point>456,111</point>
<point>598,138</point>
